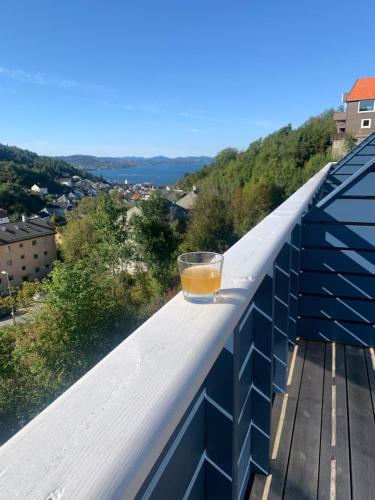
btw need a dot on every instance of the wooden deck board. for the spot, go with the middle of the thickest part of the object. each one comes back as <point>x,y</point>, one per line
<point>361,425</point>
<point>322,453</point>
<point>303,470</point>
<point>326,430</point>
<point>341,452</point>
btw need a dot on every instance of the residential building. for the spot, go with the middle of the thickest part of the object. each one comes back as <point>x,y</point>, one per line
<point>187,202</point>
<point>39,190</point>
<point>27,250</point>
<point>358,117</point>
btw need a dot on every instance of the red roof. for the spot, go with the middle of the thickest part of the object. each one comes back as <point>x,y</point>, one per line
<point>364,88</point>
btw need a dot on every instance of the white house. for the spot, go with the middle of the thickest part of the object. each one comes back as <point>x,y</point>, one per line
<point>3,216</point>
<point>39,190</point>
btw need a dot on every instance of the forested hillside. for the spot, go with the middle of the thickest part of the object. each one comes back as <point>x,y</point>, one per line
<point>253,182</point>
<point>20,169</point>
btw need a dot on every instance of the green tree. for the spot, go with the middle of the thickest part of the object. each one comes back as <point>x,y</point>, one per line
<point>210,225</point>
<point>156,234</point>
<point>252,203</point>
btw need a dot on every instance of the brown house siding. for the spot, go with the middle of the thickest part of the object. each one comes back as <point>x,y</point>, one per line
<point>354,119</point>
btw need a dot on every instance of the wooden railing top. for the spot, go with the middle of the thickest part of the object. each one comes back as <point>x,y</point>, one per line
<point>100,439</point>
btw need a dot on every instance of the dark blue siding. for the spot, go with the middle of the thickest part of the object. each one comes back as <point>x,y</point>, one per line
<point>337,266</point>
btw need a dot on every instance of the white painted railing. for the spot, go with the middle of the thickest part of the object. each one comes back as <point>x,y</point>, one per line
<point>102,437</point>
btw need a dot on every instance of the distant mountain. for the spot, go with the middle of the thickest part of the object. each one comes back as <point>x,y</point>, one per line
<point>87,162</point>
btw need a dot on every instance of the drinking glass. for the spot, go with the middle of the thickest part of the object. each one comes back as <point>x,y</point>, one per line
<point>200,274</point>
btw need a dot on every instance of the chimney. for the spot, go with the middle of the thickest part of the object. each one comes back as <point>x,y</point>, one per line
<point>24,218</point>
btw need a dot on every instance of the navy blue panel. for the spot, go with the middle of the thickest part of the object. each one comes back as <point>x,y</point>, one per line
<point>293,307</point>
<point>358,160</point>
<point>294,258</point>
<point>339,178</point>
<point>245,381</point>
<point>245,420</point>
<point>352,167</point>
<point>364,187</point>
<point>339,235</point>
<point>281,316</point>
<point>219,438</point>
<point>368,150</point>
<point>283,259</point>
<point>280,349</point>
<point>262,333</point>
<point>198,491</point>
<point>244,460</point>
<point>218,486</point>
<point>261,413</point>
<point>337,331</point>
<point>348,261</point>
<point>331,307</point>
<point>346,210</point>
<point>219,384</point>
<point>281,285</point>
<point>175,476</point>
<point>262,373</point>
<point>260,450</point>
<point>245,335</point>
<point>263,296</point>
<point>338,285</point>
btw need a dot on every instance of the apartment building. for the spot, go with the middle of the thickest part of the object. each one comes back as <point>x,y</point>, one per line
<point>27,250</point>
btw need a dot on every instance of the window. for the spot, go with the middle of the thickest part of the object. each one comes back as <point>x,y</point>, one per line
<point>11,277</point>
<point>366,123</point>
<point>45,252</point>
<point>37,269</point>
<point>22,257</point>
<point>34,243</point>
<point>366,105</point>
<point>35,255</point>
<point>9,262</point>
<point>20,245</point>
<point>24,278</point>
<point>47,266</point>
<point>23,268</point>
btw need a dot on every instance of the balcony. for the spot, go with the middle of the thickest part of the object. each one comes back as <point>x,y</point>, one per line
<point>339,116</point>
<point>189,406</point>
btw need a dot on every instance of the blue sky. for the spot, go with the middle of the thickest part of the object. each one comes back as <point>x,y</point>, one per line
<point>173,77</point>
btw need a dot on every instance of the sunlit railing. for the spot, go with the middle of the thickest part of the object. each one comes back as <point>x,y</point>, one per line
<point>182,408</point>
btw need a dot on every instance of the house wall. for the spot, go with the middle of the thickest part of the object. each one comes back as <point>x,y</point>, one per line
<point>354,118</point>
<point>14,251</point>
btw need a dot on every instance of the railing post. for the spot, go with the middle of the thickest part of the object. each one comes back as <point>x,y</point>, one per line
<point>295,256</point>
<point>280,317</point>
<point>262,382</point>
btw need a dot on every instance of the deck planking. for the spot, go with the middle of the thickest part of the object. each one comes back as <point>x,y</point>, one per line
<point>327,444</point>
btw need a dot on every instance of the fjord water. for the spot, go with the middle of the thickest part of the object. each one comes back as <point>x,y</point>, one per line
<point>158,174</point>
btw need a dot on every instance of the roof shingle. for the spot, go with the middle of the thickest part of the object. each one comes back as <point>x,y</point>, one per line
<point>19,231</point>
<point>364,88</point>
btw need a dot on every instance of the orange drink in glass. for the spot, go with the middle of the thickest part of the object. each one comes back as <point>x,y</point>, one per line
<point>200,275</point>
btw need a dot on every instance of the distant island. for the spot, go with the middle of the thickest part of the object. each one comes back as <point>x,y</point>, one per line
<point>87,162</point>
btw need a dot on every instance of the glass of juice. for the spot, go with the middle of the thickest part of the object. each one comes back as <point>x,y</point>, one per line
<point>200,275</point>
